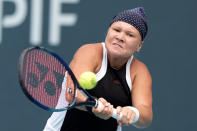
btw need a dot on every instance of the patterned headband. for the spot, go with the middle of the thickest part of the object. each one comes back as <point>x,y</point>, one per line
<point>135,17</point>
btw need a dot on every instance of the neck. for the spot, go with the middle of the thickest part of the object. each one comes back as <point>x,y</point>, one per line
<point>117,63</point>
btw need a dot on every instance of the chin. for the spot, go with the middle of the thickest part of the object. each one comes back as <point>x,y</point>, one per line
<point>115,53</point>
<point>114,50</point>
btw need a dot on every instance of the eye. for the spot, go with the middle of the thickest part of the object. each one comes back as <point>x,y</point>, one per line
<point>130,35</point>
<point>117,30</point>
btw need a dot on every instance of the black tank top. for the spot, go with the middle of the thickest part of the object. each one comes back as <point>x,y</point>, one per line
<point>112,87</point>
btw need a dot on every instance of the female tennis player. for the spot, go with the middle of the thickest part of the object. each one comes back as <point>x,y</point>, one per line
<point>124,82</point>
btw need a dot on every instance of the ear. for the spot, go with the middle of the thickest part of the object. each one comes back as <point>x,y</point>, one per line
<point>139,46</point>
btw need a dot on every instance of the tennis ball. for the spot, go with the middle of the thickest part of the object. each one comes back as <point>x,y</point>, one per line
<point>87,80</point>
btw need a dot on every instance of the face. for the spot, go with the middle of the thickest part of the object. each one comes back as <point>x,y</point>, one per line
<point>122,40</point>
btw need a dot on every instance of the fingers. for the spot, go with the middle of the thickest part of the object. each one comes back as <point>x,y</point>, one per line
<point>104,111</point>
<point>128,115</point>
<point>119,110</point>
<point>132,117</point>
<point>108,108</point>
<point>107,111</point>
<point>104,102</point>
<point>100,108</point>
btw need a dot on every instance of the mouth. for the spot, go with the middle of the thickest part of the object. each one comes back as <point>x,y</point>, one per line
<point>117,44</point>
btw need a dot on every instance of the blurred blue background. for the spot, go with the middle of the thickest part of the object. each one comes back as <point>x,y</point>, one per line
<point>63,26</point>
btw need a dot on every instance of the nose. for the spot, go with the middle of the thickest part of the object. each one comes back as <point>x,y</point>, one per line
<point>120,37</point>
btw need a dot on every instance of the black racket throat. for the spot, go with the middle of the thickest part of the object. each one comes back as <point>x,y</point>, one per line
<point>91,101</point>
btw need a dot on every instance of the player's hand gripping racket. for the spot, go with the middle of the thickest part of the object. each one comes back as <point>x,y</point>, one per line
<point>49,82</point>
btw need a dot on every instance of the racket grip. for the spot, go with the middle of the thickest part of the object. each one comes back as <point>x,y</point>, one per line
<point>114,114</point>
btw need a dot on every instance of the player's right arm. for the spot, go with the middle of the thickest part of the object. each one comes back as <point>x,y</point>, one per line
<point>89,58</point>
<point>86,58</point>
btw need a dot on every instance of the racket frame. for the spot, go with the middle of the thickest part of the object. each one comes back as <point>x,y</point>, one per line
<point>91,102</point>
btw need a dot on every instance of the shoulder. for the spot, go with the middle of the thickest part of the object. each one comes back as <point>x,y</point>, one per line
<point>139,65</point>
<point>90,49</point>
<point>139,70</point>
<point>89,52</point>
<point>88,56</point>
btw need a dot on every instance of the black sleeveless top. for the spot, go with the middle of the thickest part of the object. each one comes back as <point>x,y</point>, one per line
<point>112,87</point>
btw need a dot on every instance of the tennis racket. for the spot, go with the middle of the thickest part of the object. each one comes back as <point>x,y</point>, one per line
<point>48,82</point>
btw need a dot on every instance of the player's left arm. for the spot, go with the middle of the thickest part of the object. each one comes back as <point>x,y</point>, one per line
<point>142,96</point>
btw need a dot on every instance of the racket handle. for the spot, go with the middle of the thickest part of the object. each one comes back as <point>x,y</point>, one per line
<point>114,114</point>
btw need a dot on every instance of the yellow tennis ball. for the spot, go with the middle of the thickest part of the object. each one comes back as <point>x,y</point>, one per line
<point>87,80</point>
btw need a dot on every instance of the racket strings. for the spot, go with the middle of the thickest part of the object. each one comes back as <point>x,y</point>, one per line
<point>43,78</point>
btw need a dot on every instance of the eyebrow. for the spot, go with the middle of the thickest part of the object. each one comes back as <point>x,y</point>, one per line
<point>130,31</point>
